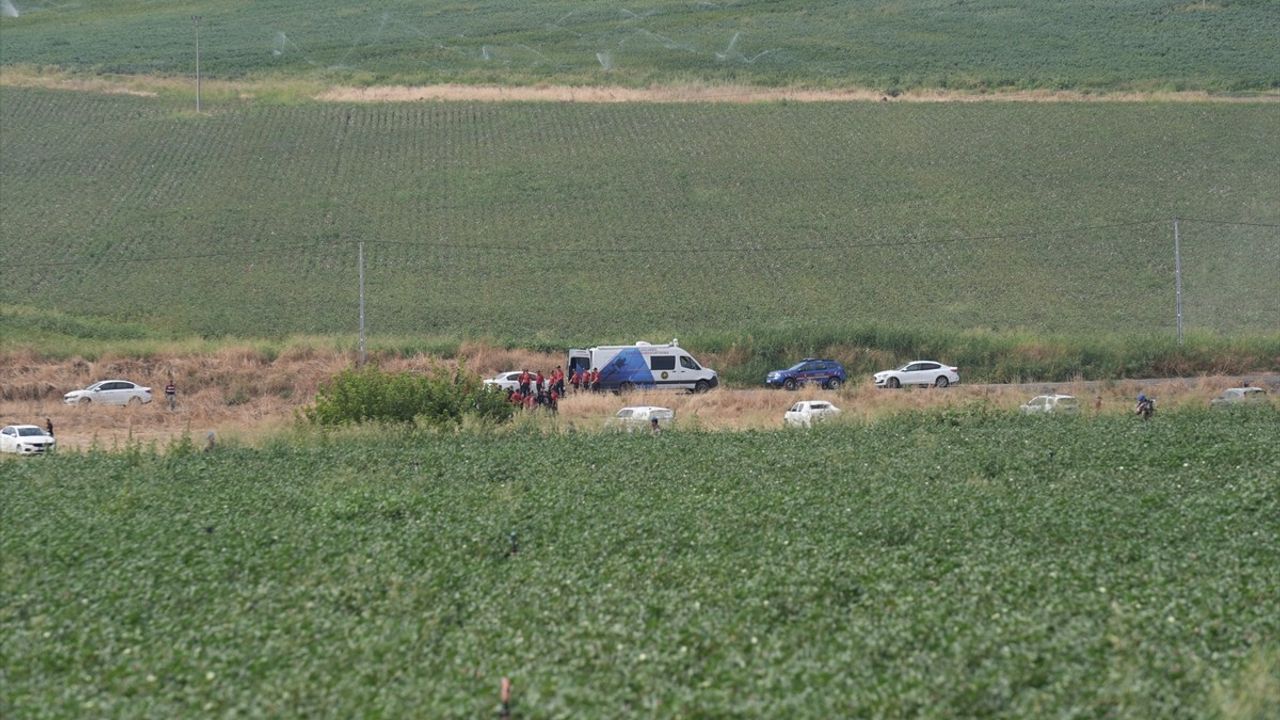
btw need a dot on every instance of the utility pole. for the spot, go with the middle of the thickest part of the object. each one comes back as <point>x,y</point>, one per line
<point>195,20</point>
<point>1177,276</point>
<point>360,256</point>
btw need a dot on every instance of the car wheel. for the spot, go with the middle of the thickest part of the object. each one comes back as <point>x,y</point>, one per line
<point>893,383</point>
<point>942,381</point>
<point>86,401</point>
<point>701,386</point>
<point>135,401</point>
<point>789,384</point>
<point>833,383</point>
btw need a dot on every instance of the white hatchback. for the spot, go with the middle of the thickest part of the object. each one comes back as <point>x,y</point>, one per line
<point>1046,404</point>
<point>109,392</point>
<point>806,412</point>
<point>918,372</point>
<point>25,440</point>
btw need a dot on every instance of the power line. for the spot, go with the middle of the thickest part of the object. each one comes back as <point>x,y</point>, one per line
<point>783,248</point>
<point>739,250</point>
<point>193,256</point>
<point>1228,222</point>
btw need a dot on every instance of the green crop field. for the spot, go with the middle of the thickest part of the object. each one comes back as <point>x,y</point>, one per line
<point>978,44</point>
<point>941,565</point>
<point>546,224</point>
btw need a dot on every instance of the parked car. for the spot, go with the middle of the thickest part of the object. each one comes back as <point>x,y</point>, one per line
<point>641,416</point>
<point>1055,404</point>
<point>109,392</point>
<point>918,372</point>
<point>509,380</point>
<point>827,373</point>
<point>806,412</point>
<point>1240,396</point>
<point>25,440</point>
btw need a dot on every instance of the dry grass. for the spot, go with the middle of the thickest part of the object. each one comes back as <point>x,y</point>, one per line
<point>739,95</point>
<point>248,393</point>
<point>294,90</point>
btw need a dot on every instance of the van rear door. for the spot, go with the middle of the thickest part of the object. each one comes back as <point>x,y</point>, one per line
<point>578,360</point>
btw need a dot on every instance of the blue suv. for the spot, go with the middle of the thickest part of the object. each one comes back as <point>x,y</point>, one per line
<point>827,373</point>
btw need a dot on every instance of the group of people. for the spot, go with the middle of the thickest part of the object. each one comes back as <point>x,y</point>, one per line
<point>535,390</point>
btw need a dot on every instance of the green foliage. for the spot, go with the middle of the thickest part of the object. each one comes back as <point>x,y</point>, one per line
<point>438,399</point>
<point>976,44</point>
<point>950,565</point>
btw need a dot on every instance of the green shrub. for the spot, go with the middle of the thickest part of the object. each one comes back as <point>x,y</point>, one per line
<point>440,398</point>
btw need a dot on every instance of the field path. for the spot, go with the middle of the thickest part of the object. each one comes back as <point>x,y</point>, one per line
<point>153,85</point>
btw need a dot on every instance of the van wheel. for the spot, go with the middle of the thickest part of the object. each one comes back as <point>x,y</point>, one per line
<point>701,386</point>
<point>942,381</point>
<point>789,384</point>
<point>626,387</point>
<point>833,383</point>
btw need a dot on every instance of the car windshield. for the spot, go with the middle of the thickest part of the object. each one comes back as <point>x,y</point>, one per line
<point>30,432</point>
<point>1067,401</point>
<point>625,412</point>
<point>797,366</point>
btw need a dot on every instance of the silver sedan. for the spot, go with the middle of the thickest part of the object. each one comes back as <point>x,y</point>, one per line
<point>109,392</point>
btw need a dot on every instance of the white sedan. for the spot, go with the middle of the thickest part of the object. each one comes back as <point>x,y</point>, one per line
<point>806,412</point>
<point>1048,404</point>
<point>1240,396</point>
<point>642,416</point>
<point>509,380</point>
<point>109,392</point>
<point>918,372</point>
<point>25,440</point>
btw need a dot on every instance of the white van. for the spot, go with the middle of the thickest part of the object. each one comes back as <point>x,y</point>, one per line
<point>624,367</point>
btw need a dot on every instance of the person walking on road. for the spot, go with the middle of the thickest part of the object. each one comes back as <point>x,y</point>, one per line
<point>171,395</point>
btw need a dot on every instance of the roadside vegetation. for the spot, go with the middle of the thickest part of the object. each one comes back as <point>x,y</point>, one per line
<point>932,564</point>
<point>978,45</point>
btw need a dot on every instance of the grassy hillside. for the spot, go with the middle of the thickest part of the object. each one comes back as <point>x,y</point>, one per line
<point>547,224</point>
<point>979,44</point>
<point>931,566</point>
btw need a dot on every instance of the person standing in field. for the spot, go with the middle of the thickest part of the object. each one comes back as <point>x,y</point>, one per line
<point>171,395</point>
<point>48,426</point>
<point>524,382</point>
<point>557,380</point>
<point>595,380</point>
<point>541,381</point>
<point>576,381</point>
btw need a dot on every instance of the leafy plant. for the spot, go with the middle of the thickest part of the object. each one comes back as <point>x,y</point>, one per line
<point>439,398</point>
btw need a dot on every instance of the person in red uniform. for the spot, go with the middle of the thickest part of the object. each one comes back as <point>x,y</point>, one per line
<point>595,379</point>
<point>524,382</point>
<point>576,382</point>
<point>541,381</point>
